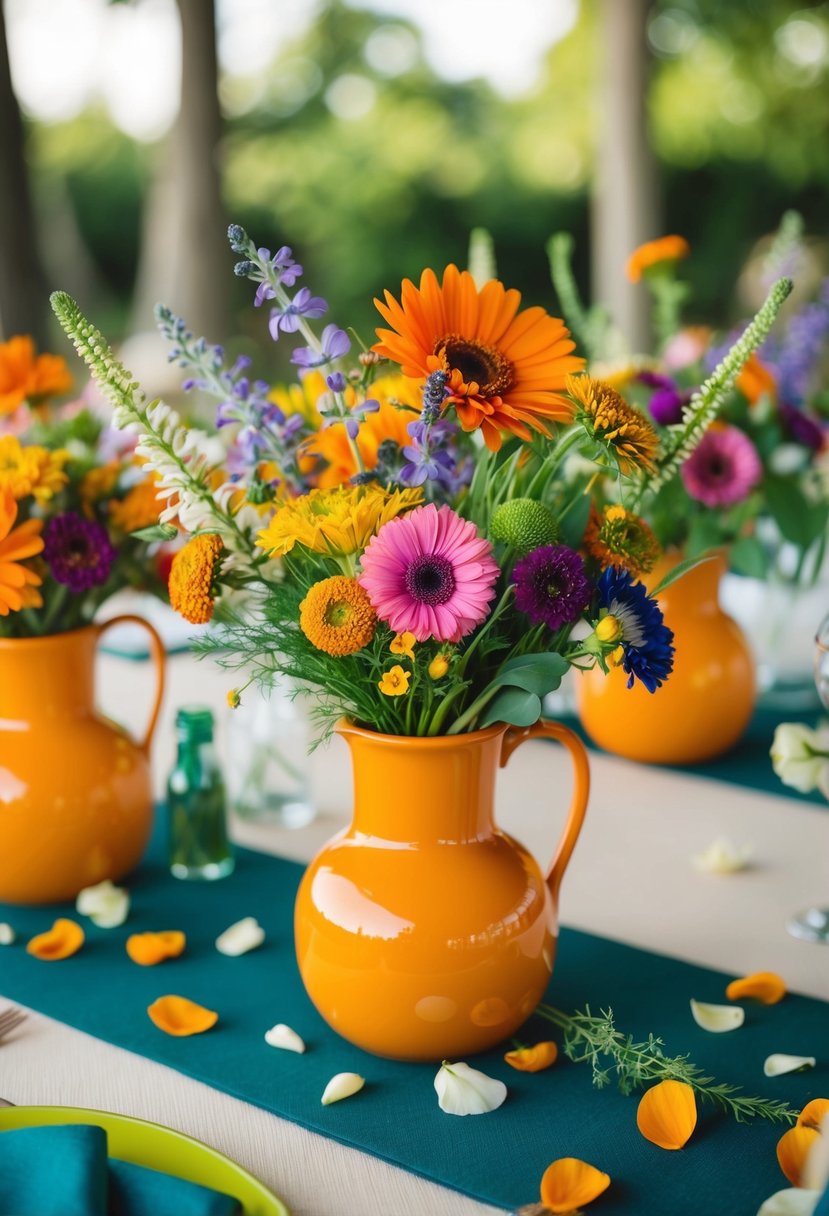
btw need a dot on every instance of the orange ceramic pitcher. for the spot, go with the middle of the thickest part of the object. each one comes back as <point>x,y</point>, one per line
<point>75,793</point>
<point>704,706</point>
<point>423,932</point>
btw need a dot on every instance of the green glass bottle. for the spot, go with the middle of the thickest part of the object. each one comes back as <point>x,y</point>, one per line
<point>198,843</point>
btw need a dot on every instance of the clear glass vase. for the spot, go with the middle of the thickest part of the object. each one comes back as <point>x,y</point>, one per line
<point>267,773</point>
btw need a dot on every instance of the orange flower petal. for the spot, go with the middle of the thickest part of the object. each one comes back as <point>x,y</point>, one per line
<point>62,940</point>
<point>147,949</point>
<point>568,1183</point>
<point>764,986</point>
<point>533,1059</point>
<point>793,1148</point>
<point>813,1113</point>
<point>667,1114</point>
<point>177,1016</point>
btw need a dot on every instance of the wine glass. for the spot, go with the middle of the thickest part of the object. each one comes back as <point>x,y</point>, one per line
<point>813,924</point>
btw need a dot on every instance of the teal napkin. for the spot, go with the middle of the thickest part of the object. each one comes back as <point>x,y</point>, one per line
<point>64,1171</point>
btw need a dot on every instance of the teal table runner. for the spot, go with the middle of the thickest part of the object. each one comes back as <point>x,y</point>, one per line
<point>497,1158</point>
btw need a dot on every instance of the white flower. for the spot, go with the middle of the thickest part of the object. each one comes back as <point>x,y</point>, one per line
<point>463,1090</point>
<point>241,937</point>
<point>106,906</point>
<point>777,1065</point>
<point>7,935</point>
<point>793,1201</point>
<point>801,757</point>
<point>282,1036</point>
<point>723,857</point>
<point>717,1018</point>
<point>342,1086</point>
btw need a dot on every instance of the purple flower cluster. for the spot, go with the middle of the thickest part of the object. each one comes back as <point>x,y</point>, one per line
<point>551,586</point>
<point>78,550</point>
<point>334,343</point>
<point>287,317</point>
<point>667,400</point>
<point>433,456</point>
<point>795,357</point>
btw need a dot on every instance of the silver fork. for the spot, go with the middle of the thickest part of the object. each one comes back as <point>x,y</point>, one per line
<point>10,1019</point>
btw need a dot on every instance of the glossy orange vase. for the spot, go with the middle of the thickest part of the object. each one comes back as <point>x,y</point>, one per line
<point>705,705</point>
<point>75,792</point>
<point>423,932</point>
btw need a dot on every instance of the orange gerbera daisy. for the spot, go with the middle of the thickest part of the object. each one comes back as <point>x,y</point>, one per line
<point>655,253</point>
<point>16,582</point>
<point>504,368</point>
<point>25,376</point>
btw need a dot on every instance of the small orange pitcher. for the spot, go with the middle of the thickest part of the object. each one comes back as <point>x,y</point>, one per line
<point>423,931</point>
<point>75,792</point>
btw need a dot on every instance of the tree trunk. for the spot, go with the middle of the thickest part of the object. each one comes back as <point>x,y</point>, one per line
<point>23,304</point>
<point>185,258</point>
<point>625,205</point>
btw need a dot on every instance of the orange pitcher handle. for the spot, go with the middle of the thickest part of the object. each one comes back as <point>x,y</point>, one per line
<point>514,737</point>
<point>158,654</point>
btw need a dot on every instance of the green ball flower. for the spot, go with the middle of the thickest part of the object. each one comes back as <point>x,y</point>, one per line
<point>523,524</point>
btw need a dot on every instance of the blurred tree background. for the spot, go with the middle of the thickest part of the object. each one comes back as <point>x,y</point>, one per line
<point>351,148</point>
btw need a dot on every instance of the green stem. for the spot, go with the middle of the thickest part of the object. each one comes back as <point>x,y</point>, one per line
<point>493,616</point>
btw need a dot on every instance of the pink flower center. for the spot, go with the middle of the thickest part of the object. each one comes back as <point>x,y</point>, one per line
<point>430,578</point>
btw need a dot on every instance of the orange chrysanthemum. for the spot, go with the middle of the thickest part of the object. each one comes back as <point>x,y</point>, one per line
<point>621,539</point>
<point>755,380</point>
<point>505,369</point>
<point>139,508</point>
<point>612,422</point>
<point>191,578</point>
<point>336,616</point>
<point>25,376</point>
<point>655,253</point>
<point>17,583</point>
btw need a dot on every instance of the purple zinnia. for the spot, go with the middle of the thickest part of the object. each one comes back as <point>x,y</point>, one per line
<point>668,399</point>
<point>551,586</point>
<point>802,428</point>
<point>78,551</point>
<point>723,469</point>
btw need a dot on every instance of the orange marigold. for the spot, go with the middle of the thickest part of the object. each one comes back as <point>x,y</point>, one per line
<point>621,539</point>
<point>25,376</point>
<point>191,578</point>
<point>337,617</point>
<point>655,253</point>
<point>139,508</point>
<point>615,424</point>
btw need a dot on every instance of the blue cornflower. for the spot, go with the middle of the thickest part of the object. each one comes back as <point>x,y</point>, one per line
<point>645,639</point>
<point>335,343</point>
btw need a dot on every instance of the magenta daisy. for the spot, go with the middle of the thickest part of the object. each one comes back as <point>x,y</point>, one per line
<point>430,574</point>
<point>723,469</point>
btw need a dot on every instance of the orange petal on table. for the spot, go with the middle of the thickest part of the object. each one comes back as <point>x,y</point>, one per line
<point>532,1059</point>
<point>813,1113</point>
<point>62,940</point>
<point>177,1016</point>
<point>764,986</point>
<point>667,1114</point>
<point>793,1148</point>
<point>568,1183</point>
<point>147,949</point>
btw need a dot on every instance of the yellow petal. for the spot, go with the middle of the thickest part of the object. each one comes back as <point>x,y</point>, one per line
<point>533,1059</point>
<point>177,1016</point>
<point>64,939</point>
<point>764,986</point>
<point>793,1148</point>
<point>813,1113</point>
<point>568,1184</point>
<point>147,949</point>
<point>718,1019</point>
<point>667,1114</point>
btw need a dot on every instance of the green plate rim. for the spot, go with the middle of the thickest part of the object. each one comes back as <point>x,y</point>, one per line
<point>82,1114</point>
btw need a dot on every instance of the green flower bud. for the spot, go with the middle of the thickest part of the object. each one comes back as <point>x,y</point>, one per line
<point>523,524</point>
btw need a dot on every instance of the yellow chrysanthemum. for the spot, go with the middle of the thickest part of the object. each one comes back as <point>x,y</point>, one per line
<point>191,578</point>
<point>401,401</point>
<point>656,253</point>
<point>610,420</point>
<point>395,682</point>
<point>139,508</point>
<point>621,539</point>
<point>338,521</point>
<point>336,616</point>
<point>99,483</point>
<point>29,469</point>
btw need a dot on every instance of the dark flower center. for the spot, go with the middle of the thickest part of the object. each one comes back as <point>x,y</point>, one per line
<point>719,467</point>
<point>430,579</point>
<point>490,370</point>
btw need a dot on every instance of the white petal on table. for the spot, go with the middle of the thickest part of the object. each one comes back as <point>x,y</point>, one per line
<point>723,857</point>
<point>794,1201</point>
<point>282,1036</point>
<point>343,1085</point>
<point>717,1018</point>
<point>463,1090</point>
<point>7,935</point>
<point>106,905</point>
<point>241,937</point>
<point>778,1064</point>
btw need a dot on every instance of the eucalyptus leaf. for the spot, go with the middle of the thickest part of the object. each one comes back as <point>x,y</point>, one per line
<point>512,705</point>
<point>156,532</point>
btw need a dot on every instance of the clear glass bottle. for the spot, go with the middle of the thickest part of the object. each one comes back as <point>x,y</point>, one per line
<point>198,844</point>
<point>267,750</point>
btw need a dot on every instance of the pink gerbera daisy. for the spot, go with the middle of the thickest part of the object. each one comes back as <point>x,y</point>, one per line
<point>430,574</point>
<point>724,467</point>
